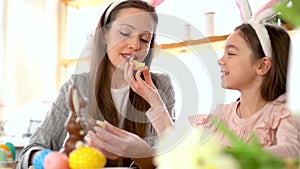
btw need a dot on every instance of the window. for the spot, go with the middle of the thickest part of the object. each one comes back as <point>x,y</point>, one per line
<point>81,24</point>
<point>2,60</point>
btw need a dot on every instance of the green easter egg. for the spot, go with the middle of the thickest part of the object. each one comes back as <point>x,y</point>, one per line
<point>7,151</point>
<point>12,149</point>
<point>3,157</point>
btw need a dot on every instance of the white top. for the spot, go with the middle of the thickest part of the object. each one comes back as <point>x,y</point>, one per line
<point>120,98</point>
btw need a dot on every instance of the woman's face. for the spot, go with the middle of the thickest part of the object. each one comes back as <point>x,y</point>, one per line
<point>130,35</point>
<point>237,65</point>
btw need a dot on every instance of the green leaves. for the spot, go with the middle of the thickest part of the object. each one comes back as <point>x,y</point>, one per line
<point>250,155</point>
<point>289,11</point>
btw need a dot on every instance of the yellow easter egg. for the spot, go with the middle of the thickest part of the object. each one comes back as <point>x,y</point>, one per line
<point>6,149</point>
<point>86,158</point>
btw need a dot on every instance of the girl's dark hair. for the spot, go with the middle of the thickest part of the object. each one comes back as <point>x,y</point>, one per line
<point>274,83</point>
<point>101,103</point>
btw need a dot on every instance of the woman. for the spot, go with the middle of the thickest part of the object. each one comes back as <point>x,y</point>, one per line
<point>126,31</point>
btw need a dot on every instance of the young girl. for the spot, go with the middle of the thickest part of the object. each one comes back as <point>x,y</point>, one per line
<point>255,62</point>
<point>261,80</point>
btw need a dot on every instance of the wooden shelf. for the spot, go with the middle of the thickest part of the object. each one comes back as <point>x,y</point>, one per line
<point>82,3</point>
<point>174,48</point>
<point>216,41</point>
<point>194,42</point>
<point>66,62</point>
<point>179,48</point>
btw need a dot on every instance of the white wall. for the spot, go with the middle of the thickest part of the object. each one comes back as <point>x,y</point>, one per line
<point>197,81</point>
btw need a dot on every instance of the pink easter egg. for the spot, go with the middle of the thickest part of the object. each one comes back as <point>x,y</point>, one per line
<point>55,160</point>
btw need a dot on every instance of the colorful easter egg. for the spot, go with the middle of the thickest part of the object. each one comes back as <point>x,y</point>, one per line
<point>87,158</point>
<point>6,149</point>
<point>12,150</point>
<point>56,160</point>
<point>3,156</point>
<point>38,159</point>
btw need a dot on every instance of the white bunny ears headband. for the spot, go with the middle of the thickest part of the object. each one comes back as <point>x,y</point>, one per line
<point>154,3</point>
<point>257,22</point>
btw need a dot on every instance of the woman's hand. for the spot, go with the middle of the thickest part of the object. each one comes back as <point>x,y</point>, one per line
<point>144,88</point>
<point>116,143</point>
<point>91,142</point>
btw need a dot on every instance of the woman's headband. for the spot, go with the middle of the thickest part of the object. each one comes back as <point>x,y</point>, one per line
<point>257,22</point>
<point>118,2</point>
<point>111,7</point>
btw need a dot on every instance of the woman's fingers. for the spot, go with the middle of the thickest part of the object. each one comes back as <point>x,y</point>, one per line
<point>106,141</point>
<point>136,81</point>
<point>116,131</point>
<point>104,152</point>
<point>147,76</point>
<point>118,143</point>
<point>143,87</point>
<point>128,72</point>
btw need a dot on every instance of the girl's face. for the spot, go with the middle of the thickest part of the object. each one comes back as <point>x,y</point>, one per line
<point>130,35</point>
<point>237,64</point>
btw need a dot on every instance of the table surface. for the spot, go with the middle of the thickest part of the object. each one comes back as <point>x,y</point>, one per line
<point>17,142</point>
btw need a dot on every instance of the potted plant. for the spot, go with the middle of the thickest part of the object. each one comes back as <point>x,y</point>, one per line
<point>289,11</point>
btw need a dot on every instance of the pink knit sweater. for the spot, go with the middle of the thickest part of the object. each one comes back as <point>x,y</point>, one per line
<point>277,130</point>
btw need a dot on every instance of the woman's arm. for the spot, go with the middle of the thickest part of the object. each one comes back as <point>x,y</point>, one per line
<point>46,135</point>
<point>160,119</point>
<point>160,96</point>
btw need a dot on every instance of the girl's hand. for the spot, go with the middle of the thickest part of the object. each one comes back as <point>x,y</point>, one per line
<point>144,88</point>
<point>117,143</point>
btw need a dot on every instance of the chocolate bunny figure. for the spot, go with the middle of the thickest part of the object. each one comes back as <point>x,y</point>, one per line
<point>76,133</point>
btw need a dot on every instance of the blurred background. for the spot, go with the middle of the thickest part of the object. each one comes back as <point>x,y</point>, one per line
<point>42,42</point>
